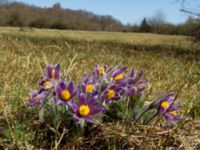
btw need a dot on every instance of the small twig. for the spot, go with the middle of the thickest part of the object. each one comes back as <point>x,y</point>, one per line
<point>60,139</point>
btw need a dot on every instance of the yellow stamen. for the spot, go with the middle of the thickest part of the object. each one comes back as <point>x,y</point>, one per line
<point>53,73</point>
<point>119,77</point>
<point>89,88</point>
<point>165,105</point>
<point>101,70</point>
<point>84,110</point>
<point>110,94</point>
<point>47,83</point>
<point>173,112</point>
<point>65,95</point>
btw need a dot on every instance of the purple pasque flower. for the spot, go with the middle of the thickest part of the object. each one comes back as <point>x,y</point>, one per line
<point>118,75</point>
<point>86,109</point>
<point>88,85</point>
<point>101,70</point>
<point>65,93</point>
<point>168,109</point>
<point>134,85</point>
<point>52,72</point>
<point>93,84</point>
<point>36,97</point>
<point>112,93</point>
<point>47,84</point>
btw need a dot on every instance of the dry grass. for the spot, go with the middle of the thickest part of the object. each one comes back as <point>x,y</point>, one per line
<point>23,58</point>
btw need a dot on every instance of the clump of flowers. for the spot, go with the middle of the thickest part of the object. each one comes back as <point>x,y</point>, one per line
<point>100,91</point>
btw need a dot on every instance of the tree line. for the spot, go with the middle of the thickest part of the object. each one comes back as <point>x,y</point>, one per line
<point>24,15</point>
<point>191,27</point>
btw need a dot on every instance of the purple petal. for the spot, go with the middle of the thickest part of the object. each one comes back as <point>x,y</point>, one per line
<point>33,103</point>
<point>36,98</point>
<point>41,82</point>
<point>49,71</point>
<point>95,93</point>
<point>96,110</point>
<point>82,99</point>
<point>34,93</point>
<point>113,87</point>
<point>172,108</point>
<point>62,84</point>
<point>171,122</point>
<point>138,77</point>
<point>142,83</point>
<point>132,91</point>
<point>92,102</point>
<point>119,71</point>
<point>58,102</point>
<point>177,117</point>
<point>83,85</point>
<point>105,67</point>
<point>74,94</point>
<point>76,117</point>
<point>140,90</point>
<point>122,84</point>
<point>163,110</point>
<point>59,90</point>
<point>170,97</point>
<point>71,87</point>
<point>169,118</point>
<point>72,105</point>
<point>57,67</point>
<point>86,79</point>
<point>89,119</point>
<point>57,73</point>
<point>132,73</point>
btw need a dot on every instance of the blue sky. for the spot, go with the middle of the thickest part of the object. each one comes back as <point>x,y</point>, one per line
<point>127,11</point>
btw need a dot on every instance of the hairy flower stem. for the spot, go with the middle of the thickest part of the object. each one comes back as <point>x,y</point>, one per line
<point>146,110</point>
<point>147,122</point>
<point>126,116</point>
<point>127,108</point>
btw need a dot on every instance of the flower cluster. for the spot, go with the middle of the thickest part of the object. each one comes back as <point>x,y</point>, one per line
<point>103,86</point>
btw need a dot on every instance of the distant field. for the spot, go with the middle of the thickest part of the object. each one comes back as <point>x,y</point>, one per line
<point>23,56</point>
<point>130,38</point>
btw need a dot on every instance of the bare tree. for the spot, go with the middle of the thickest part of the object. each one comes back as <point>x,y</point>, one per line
<point>158,19</point>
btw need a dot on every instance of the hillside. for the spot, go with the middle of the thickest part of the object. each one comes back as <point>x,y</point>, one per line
<point>20,14</point>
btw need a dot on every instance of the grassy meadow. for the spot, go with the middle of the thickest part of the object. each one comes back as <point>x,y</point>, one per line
<point>169,63</point>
